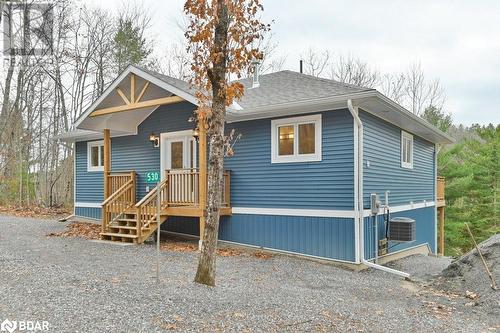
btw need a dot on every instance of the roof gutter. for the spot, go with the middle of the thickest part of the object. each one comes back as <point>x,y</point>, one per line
<point>358,199</point>
<point>414,117</point>
<point>305,106</point>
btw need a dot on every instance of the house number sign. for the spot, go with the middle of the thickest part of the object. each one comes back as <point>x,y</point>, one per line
<point>152,177</point>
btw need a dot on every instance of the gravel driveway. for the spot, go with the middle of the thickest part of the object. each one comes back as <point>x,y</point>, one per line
<point>83,286</point>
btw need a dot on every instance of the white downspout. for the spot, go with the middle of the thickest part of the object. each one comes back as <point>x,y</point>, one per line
<point>359,200</point>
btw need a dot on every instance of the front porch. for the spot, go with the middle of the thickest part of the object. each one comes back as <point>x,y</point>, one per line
<point>179,194</point>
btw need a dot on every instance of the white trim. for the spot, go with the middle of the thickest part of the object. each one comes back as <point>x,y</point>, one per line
<point>293,212</point>
<point>315,119</point>
<point>187,136</point>
<point>325,212</point>
<point>409,137</point>
<point>90,145</point>
<point>82,204</point>
<point>402,208</point>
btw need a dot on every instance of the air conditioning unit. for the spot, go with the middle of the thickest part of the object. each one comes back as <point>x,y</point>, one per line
<point>402,229</point>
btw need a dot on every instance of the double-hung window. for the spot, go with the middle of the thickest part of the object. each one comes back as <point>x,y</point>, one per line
<point>296,139</point>
<point>406,150</point>
<point>95,156</point>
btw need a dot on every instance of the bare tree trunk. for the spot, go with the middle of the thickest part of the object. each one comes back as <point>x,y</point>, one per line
<point>217,75</point>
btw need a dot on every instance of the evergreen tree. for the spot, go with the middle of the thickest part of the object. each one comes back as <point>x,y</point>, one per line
<point>438,118</point>
<point>130,46</point>
<point>472,170</point>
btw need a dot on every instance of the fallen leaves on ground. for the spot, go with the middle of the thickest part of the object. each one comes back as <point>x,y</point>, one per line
<point>180,245</point>
<point>229,252</point>
<point>34,211</point>
<point>262,255</point>
<point>79,229</point>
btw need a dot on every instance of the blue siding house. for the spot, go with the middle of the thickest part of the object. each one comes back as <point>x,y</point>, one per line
<point>311,156</point>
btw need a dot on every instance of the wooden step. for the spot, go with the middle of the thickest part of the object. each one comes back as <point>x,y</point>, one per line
<point>122,227</point>
<point>127,220</point>
<point>111,234</point>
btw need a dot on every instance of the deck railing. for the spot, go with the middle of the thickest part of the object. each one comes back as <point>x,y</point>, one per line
<point>118,202</point>
<point>184,187</point>
<point>117,179</point>
<point>147,208</point>
<point>440,188</point>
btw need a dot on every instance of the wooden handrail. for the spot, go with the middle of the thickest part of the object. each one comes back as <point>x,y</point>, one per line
<point>121,198</point>
<point>115,179</point>
<point>117,193</point>
<point>147,208</point>
<point>150,194</point>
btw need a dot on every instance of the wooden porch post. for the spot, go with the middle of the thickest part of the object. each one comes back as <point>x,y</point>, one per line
<point>203,174</point>
<point>441,230</point>
<point>107,162</point>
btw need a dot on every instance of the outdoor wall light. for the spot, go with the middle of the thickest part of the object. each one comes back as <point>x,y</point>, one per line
<point>154,139</point>
<point>196,134</point>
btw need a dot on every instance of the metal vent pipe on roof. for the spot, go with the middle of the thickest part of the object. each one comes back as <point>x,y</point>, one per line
<point>256,69</point>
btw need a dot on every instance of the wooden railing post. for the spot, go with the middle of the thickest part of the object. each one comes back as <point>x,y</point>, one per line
<point>107,162</point>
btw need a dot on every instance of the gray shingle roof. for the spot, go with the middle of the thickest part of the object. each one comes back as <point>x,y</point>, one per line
<point>288,86</point>
<point>277,88</point>
<point>180,84</point>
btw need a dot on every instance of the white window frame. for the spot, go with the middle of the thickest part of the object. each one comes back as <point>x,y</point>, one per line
<point>407,136</point>
<point>91,168</point>
<point>295,122</point>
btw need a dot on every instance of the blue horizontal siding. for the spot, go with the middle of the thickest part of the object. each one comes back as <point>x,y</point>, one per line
<point>135,152</point>
<point>425,230</point>
<point>88,212</point>
<point>317,236</point>
<point>256,182</point>
<point>382,149</point>
<point>88,185</point>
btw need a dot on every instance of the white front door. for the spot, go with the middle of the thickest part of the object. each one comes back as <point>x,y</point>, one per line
<point>178,151</point>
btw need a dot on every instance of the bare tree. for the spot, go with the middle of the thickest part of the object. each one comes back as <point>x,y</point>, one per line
<point>315,62</point>
<point>354,71</point>
<point>420,93</point>
<point>393,86</point>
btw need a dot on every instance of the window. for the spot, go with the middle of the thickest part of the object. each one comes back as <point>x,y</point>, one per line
<point>406,150</point>
<point>95,156</point>
<point>296,139</point>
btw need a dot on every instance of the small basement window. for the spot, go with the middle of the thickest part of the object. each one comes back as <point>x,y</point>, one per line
<point>406,150</point>
<point>95,156</point>
<point>296,139</point>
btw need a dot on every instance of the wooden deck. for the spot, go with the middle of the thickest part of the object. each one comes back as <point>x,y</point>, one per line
<point>179,194</point>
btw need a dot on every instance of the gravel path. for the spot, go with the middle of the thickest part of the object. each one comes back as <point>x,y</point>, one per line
<point>83,286</point>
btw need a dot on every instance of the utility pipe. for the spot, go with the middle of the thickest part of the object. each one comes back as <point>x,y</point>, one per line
<point>359,202</point>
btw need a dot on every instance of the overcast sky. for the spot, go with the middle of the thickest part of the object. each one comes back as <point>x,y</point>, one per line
<point>455,41</point>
